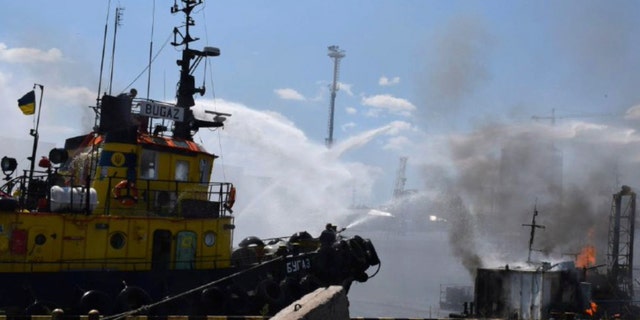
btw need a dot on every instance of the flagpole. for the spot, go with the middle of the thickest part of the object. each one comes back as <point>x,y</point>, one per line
<point>34,133</point>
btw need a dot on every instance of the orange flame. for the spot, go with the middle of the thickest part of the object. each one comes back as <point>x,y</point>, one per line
<point>587,257</point>
<point>593,307</point>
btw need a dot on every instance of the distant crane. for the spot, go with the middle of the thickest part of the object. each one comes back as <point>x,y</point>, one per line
<point>336,54</point>
<point>553,116</point>
<point>401,178</point>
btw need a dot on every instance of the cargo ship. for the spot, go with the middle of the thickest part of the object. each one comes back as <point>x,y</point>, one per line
<point>125,220</point>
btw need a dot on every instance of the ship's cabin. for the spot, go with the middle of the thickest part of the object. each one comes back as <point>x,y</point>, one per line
<point>129,166</point>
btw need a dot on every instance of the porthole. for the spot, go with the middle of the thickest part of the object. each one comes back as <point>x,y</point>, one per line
<point>117,240</point>
<point>209,238</point>
<point>40,239</point>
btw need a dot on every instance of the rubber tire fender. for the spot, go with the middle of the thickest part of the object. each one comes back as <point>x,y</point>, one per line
<point>213,300</point>
<point>310,283</point>
<point>358,253</point>
<point>372,255</point>
<point>39,308</point>
<point>270,292</point>
<point>95,299</point>
<point>131,298</point>
<point>238,302</point>
<point>291,288</point>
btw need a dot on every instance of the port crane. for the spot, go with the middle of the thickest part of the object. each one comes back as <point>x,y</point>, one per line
<point>553,116</point>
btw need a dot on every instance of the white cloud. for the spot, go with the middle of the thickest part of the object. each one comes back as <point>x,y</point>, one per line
<point>351,110</point>
<point>391,104</point>
<point>28,55</point>
<point>346,87</point>
<point>384,81</point>
<point>348,125</point>
<point>397,143</point>
<point>633,113</point>
<point>289,94</point>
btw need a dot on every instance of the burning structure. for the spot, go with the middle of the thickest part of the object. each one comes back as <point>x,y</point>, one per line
<point>544,290</point>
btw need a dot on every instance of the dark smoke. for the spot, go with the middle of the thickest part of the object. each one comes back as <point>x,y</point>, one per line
<point>498,175</point>
<point>495,173</point>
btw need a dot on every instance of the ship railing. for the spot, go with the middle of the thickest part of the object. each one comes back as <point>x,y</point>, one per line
<point>173,198</point>
<point>152,197</point>
<point>27,193</point>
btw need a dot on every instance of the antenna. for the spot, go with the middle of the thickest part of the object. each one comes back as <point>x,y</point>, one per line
<point>336,54</point>
<point>104,45</point>
<point>113,48</point>
<point>553,116</point>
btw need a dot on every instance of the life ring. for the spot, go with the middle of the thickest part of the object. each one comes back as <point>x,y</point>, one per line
<point>231,198</point>
<point>130,198</point>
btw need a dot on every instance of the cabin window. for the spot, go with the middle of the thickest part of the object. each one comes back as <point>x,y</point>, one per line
<point>203,170</point>
<point>148,165</point>
<point>182,170</point>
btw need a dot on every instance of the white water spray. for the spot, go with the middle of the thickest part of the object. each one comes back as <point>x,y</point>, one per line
<point>288,183</point>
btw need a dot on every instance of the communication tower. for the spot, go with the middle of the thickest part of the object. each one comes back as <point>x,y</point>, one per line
<point>336,54</point>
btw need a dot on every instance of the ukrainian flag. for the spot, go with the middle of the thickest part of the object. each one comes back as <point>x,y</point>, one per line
<point>28,103</point>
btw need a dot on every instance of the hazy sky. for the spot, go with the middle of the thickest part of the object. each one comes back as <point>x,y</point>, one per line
<point>445,83</point>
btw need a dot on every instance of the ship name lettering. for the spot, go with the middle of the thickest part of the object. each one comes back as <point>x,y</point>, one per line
<point>162,111</point>
<point>299,264</point>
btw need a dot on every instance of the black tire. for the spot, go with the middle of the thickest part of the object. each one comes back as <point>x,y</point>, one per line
<point>213,300</point>
<point>309,283</point>
<point>291,289</point>
<point>238,301</point>
<point>270,292</point>
<point>357,253</point>
<point>39,308</point>
<point>243,257</point>
<point>96,299</point>
<point>372,255</point>
<point>131,298</point>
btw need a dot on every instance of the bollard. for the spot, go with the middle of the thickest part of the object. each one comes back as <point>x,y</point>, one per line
<point>57,314</point>
<point>94,315</point>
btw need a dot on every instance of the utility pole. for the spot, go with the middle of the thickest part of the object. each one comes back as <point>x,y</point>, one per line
<point>336,54</point>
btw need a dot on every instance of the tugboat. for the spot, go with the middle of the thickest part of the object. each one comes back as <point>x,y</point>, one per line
<point>125,220</point>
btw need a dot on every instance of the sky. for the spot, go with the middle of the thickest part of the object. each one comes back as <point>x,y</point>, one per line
<point>450,85</point>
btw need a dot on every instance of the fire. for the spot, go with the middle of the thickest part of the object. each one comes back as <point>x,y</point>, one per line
<point>593,307</point>
<point>587,257</point>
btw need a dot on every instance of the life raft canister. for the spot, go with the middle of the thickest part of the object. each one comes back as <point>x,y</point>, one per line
<point>130,197</point>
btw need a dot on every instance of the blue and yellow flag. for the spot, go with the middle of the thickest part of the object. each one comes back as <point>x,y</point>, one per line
<point>28,103</point>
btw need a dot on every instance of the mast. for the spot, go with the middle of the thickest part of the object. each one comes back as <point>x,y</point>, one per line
<point>533,226</point>
<point>34,134</point>
<point>186,87</point>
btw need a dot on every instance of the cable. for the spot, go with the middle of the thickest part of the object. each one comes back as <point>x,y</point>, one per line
<point>147,67</point>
